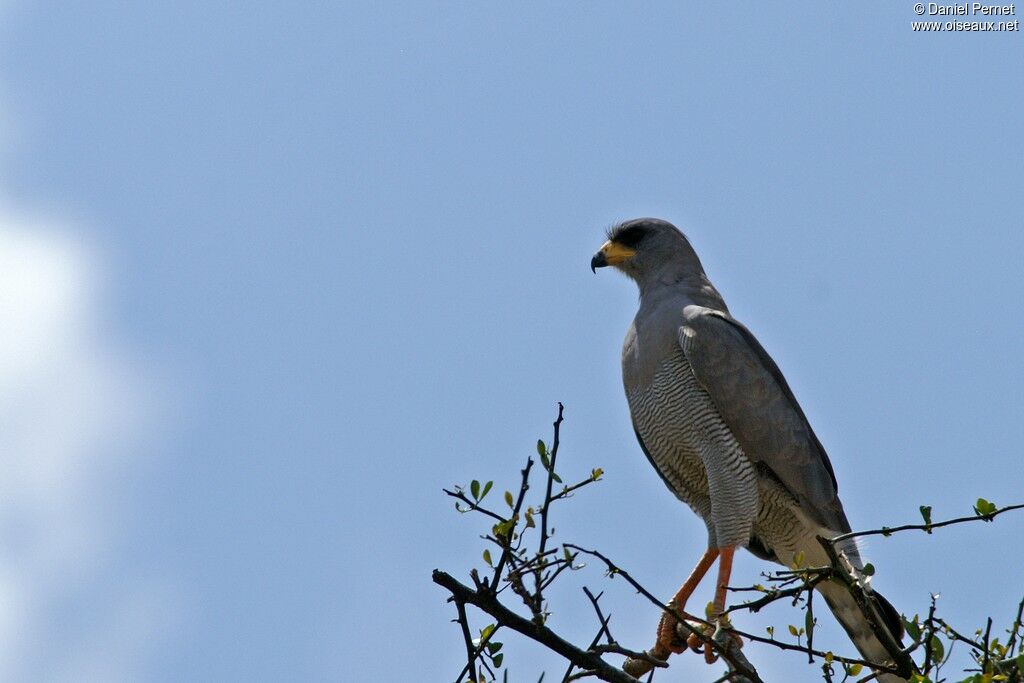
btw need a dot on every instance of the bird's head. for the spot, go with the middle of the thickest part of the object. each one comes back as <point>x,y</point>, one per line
<point>649,250</point>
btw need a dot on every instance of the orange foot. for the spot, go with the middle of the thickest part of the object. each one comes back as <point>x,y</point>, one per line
<point>668,642</point>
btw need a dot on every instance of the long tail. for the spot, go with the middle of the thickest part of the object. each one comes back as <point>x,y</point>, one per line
<point>849,614</point>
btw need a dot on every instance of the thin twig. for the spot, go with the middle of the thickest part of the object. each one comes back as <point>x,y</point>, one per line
<point>888,531</point>
<point>601,631</point>
<point>473,654</point>
<point>953,634</point>
<point>552,457</point>
<point>568,490</point>
<point>1011,642</point>
<point>810,624</point>
<point>772,595</point>
<point>988,633</point>
<point>468,638</point>
<point>929,635</point>
<point>600,616</point>
<point>507,550</point>
<point>474,506</point>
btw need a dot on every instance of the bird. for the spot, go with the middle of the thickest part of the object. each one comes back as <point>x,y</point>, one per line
<point>716,418</point>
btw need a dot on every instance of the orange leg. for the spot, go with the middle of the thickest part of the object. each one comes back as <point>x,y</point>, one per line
<point>724,572</point>
<point>667,625</point>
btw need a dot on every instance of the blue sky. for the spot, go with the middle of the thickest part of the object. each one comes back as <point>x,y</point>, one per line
<point>287,271</point>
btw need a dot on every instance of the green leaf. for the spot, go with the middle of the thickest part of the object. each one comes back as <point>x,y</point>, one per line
<point>508,499</point>
<point>771,632</point>
<point>937,649</point>
<point>809,622</point>
<point>557,478</point>
<point>497,659</point>
<point>503,529</point>
<point>487,557</point>
<point>596,473</point>
<point>984,508</point>
<point>792,631</point>
<point>926,513</point>
<point>487,487</point>
<point>542,450</point>
<point>854,669</point>
<point>529,518</point>
<point>474,488</point>
<point>869,569</point>
<point>545,461</point>
<point>913,630</point>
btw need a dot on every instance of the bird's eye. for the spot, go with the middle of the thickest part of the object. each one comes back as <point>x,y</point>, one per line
<point>630,237</point>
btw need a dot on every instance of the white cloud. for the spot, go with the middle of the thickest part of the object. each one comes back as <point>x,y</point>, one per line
<point>73,406</point>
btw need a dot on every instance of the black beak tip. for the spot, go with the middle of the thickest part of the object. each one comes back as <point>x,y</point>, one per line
<point>598,261</point>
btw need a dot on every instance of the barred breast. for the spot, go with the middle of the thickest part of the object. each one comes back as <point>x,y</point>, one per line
<point>695,453</point>
<point>700,461</point>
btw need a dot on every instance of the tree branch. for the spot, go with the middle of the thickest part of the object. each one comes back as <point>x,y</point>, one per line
<point>888,531</point>
<point>523,555</point>
<point>487,602</point>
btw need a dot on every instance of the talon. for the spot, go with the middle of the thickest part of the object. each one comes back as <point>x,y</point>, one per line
<point>668,641</point>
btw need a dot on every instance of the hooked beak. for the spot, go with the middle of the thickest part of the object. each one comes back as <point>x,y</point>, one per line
<point>610,254</point>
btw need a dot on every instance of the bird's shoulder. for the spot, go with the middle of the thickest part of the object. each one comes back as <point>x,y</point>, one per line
<point>757,403</point>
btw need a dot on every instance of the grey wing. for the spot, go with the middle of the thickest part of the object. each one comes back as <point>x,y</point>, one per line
<point>760,410</point>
